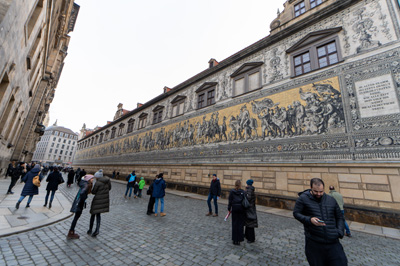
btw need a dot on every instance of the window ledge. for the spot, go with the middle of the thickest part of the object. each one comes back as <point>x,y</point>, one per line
<point>248,92</point>
<point>205,106</point>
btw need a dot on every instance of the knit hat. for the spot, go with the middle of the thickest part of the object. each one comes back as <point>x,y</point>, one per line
<point>250,182</point>
<point>37,166</point>
<point>87,177</point>
<point>142,178</point>
<point>99,173</point>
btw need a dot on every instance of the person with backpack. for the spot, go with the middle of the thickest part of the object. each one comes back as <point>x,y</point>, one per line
<point>54,179</point>
<point>30,189</point>
<point>131,183</point>
<point>238,212</point>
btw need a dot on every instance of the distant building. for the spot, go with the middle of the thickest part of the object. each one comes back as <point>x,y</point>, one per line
<point>33,45</point>
<point>56,146</point>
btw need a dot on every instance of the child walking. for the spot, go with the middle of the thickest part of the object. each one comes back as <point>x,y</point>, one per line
<point>141,186</point>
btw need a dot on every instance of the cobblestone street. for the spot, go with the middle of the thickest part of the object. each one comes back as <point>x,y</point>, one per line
<point>184,237</point>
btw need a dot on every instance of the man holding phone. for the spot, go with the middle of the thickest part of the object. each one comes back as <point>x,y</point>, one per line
<point>323,225</point>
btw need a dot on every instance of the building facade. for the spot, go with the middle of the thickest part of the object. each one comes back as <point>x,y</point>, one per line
<point>56,146</point>
<point>33,45</point>
<point>318,97</point>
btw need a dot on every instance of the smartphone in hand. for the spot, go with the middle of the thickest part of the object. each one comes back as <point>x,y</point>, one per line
<point>320,221</point>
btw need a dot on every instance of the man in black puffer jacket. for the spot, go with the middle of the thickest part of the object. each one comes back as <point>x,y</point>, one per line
<point>323,225</point>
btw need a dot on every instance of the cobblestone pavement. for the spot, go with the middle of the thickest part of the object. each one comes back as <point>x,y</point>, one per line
<point>184,237</point>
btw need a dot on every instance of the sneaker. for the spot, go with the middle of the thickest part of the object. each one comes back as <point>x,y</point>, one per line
<point>163,214</point>
<point>27,205</point>
<point>348,235</point>
<point>155,214</point>
<point>215,215</point>
<point>10,192</point>
<point>209,214</point>
<point>17,205</point>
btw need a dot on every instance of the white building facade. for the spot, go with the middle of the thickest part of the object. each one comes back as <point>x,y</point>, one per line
<point>56,146</point>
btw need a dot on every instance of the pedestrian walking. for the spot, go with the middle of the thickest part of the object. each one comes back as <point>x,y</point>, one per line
<point>85,188</point>
<point>78,176</point>
<point>131,183</point>
<point>159,186</point>
<point>323,225</point>
<point>152,200</point>
<point>142,183</point>
<point>135,189</point>
<point>251,214</point>
<point>213,194</point>
<point>113,174</point>
<point>53,179</point>
<point>100,202</point>
<point>10,168</point>
<point>71,175</point>
<point>29,188</point>
<point>117,176</point>
<point>238,212</point>
<point>14,173</point>
<point>339,199</point>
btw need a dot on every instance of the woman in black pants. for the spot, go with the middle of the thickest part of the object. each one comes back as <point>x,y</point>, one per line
<point>54,179</point>
<point>238,212</point>
<point>85,187</point>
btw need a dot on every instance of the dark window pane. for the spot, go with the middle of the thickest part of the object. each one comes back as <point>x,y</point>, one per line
<point>321,51</point>
<point>333,59</point>
<point>323,62</point>
<point>307,67</point>
<point>306,57</point>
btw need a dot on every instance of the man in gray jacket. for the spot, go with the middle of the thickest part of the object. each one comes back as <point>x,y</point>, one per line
<point>339,199</point>
<point>323,225</point>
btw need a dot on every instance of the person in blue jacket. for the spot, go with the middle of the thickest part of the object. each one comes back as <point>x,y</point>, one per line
<point>29,188</point>
<point>159,186</point>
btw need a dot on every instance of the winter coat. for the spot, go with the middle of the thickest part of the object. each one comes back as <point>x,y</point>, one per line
<point>79,202</point>
<point>159,186</point>
<point>71,175</point>
<point>29,188</point>
<point>130,184</point>
<point>235,200</point>
<point>327,209</point>
<point>215,187</point>
<point>251,212</point>
<point>54,179</point>
<point>141,184</point>
<point>101,200</point>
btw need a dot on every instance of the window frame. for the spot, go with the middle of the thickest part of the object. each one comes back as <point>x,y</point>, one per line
<point>131,125</point>
<point>203,93</point>
<point>308,44</point>
<point>120,129</point>
<point>142,120</point>
<point>316,3</point>
<point>176,103</point>
<point>113,132</point>
<point>298,4</point>
<point>244,72</point>
<point>158,113</point>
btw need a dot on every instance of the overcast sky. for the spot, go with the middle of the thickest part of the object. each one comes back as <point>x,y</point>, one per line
<point>126,51</point>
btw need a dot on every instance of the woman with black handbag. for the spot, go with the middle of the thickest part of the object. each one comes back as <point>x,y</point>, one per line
<point>251,214</point>
<point>235,206</point>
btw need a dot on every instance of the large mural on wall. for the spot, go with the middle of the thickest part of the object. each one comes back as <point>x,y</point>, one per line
<point>313,109</point>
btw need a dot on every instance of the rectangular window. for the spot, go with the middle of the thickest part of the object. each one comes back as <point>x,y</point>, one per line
<point>131,124</point>
<point>254,81</point>
<point>3,86</point>
<point>157,116</point>
<point>62,147</point>
<point>34,16</point>
<point>299,9</point>
<point>142,122</point>
<point>302,64</point>
<point>210,97</point>
<point>201,101</point>
<point>327,55</point>
<point>51,150</point>
<point>70,154</point>
<point>314,3</point>
<point>239,86</point>
<point>69,141</point>
<point>52,144</point>
<point>177,108</point>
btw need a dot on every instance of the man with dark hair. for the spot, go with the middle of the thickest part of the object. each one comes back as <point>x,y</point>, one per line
<point>214,194</point>
<point>323,225</point>
<point>339,199</point>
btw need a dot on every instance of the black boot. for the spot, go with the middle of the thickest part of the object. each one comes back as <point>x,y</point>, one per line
<point>96,232</point>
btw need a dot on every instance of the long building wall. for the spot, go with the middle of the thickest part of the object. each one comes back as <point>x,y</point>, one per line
<point>340,123</point>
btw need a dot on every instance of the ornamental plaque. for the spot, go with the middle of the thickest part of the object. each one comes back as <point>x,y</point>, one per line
<point>377,96</point>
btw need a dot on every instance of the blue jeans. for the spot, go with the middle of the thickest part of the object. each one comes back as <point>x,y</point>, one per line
<point>162,205</point>
<point>23,197</point>
<point>130,191</point>
<point>346,226</point>
<point>51,197</point>
<point>214,197</point>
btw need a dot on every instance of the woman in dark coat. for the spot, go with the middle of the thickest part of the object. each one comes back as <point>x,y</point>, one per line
<point>29,188</point>
<point>238,212</point>
<point>101,200</point>
<point>71,175</point>
<point>251,214</point>
<point>54,179</point>
<point>85,188</point>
